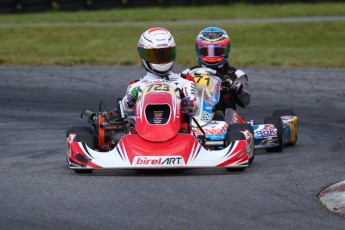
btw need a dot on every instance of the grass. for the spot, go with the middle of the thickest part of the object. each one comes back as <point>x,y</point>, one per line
<point>259,44</point>
<point>183,13</point>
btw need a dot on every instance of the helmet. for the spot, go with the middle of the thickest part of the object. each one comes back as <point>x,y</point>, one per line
<point>157,50</point>
<point>212,47</point>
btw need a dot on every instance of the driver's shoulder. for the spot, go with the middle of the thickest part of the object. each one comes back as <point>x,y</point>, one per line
<point>231,70</point>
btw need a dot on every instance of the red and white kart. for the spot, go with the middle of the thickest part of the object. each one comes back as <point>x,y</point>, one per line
<point>151,140</point>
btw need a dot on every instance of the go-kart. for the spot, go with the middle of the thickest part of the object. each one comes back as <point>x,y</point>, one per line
<point>273,134</point>
<point>152,138</point>
<point>212,125</point>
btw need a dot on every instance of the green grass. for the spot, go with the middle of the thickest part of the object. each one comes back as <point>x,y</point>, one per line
<point>183,13</point>
<point>319,44</point>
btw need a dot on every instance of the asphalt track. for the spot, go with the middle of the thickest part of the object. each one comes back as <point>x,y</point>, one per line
<point>278,191</point>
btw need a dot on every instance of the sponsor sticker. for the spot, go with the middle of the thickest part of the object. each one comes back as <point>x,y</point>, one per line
<point>158,161</point>
<point>270,132</point>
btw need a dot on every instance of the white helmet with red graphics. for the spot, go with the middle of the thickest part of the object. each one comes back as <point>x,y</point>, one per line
<point>157,50</point>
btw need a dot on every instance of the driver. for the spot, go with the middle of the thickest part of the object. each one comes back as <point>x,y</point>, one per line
<point>212,49</point>
<point>157,51</point>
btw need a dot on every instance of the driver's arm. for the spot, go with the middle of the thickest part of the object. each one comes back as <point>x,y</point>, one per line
<point>190,104</point>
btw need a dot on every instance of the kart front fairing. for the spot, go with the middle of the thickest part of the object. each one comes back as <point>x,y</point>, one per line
<point>134,152</point>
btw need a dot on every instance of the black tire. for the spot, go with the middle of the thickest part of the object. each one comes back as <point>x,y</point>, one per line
<point>79,129</point>
<point>236,169</point>
<point>283,112</point>
<point>90,141</point>
<point>86,138</point>
<point>218,116</point>
<point>231,137</point>
<point>240,127</point>
<point>83,171</point>
<point>278,124</point>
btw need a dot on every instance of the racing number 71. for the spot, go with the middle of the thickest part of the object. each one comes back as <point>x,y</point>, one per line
<point>202,79</point>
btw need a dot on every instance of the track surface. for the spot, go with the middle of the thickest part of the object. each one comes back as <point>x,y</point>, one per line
<point>278,191</point>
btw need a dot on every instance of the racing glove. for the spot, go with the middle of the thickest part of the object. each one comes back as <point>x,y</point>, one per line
<point>187,105</point>
<point>132,96</point>
<point>201,70</point>
<point>232,86</point>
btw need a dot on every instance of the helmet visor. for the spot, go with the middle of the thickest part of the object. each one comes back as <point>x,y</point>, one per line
<point>158,56</point>
<point>213,51</point>
<point>210,35</point>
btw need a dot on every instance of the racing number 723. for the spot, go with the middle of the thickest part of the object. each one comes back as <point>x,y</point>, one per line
<point>158,87</point>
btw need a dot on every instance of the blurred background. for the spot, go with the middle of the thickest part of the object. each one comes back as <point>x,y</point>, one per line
<point>305,33</point>
<point>28,6</point>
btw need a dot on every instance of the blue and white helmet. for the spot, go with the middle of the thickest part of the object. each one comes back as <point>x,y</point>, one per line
<point>212,47</point>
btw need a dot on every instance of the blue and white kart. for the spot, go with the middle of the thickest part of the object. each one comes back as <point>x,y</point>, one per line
<point>217,129</point>
<point>213,128</point>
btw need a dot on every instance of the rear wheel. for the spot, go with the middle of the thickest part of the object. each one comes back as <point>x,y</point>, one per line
<point>286,112</point>
<point>242,127</point>
<point>278,124</point>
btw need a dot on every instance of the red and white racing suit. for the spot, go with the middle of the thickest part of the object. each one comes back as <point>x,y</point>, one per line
<point>185,83</point>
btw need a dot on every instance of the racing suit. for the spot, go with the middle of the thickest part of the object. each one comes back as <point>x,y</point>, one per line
<point>228,98</point>
<point>184,82</point>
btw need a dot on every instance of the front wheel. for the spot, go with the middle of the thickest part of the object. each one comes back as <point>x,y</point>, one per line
<point>231,137</point>
<point>236,169</point>
<point>90,141</point>
<point>83,171</point>
<point>86,138</point>
<point>242,127</point>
